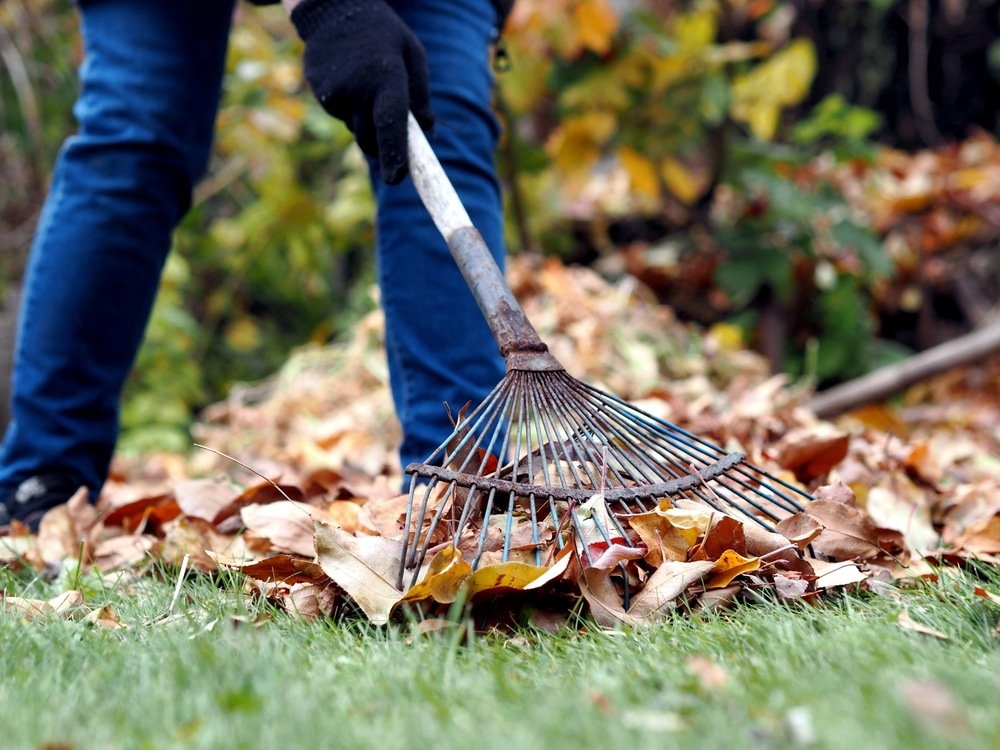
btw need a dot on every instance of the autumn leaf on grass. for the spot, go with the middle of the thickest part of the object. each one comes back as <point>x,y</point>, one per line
<point>64,528</point>
<point>836,574</point>
<point>443,580</point>
<point>898,504</point>
<point>667,584</point>
<point>203,498</point>
<point>669,532</point>
<point>603,599</point>
<point>287,525</point>
<point>908,623</point>
<point>286,568</point>
<point>847,532</point>
<point>365,567</point>
<point>729,565</point>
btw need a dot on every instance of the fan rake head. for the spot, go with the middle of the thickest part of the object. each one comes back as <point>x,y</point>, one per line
<point>547,457</point>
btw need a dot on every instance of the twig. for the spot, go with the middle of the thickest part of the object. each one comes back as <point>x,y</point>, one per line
<point>248,468</point>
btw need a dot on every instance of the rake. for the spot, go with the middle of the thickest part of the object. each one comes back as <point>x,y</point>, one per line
<point>547,460</point>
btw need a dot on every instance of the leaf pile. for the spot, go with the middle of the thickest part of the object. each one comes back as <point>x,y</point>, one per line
<point>323,536</point>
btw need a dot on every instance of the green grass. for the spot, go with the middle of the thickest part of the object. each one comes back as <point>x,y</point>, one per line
<point>202,682</point>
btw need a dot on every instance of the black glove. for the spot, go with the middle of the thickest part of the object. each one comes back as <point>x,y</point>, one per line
<point>368,69</point>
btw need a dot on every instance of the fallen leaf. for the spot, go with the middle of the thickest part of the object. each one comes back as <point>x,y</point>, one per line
<point>907,623</point>
<point>847,532</point>
<point>729,565</point>
<point>202,498</point>
<point>668,582</point>
<point>288,525</point>
<point>790,588</point>
<point>710,675</point>
<point>443,580</point>
<point>833,574</point>
<point>604,600</point>
<point>365,567</point>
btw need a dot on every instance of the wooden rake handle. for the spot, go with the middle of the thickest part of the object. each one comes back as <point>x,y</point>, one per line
<point>517,339</point>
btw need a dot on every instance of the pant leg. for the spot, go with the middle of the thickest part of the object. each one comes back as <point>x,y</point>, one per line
<point>150,85</point>
<point>439,346</point>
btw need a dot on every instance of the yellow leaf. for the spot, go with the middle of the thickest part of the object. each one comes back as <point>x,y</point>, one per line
<point>243,334</point>
<point>509,575</point>
<point>781,81</point>
<point>595,23</point>
<point>667,538</point>
<point>445,576</point>
<point>727,336</point>
<point>695,31</point>
<point>679,180</point>
<point>641,171</point>
<point>728,566</point>
<point>576,144</point>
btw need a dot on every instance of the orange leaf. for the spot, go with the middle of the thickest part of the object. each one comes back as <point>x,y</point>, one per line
<point>595,22</point>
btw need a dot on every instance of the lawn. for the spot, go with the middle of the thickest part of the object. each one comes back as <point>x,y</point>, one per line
<point>223,671</point>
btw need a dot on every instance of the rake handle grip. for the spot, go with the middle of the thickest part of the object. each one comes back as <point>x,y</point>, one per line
<point>519,343</point>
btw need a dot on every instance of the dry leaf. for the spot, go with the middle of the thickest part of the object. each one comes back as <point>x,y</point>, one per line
<point>710,675</point>
<point>364,567</point>
<point>831,575</point>
<point>202,498</point>
<point>288,526</point>
<point>847,532</point>
<point>667,584</point>
<point>443,580</point>
<point>728,566</point>
<point>604,600</point>
<point>907,623</point>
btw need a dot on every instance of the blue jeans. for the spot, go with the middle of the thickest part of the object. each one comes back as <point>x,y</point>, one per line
<point>150,86</point>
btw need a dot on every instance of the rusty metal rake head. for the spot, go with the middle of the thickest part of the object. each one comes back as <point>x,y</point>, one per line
<point>547,459</point>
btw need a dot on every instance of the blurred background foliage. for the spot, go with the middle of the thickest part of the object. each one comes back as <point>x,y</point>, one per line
<point>675,140</point>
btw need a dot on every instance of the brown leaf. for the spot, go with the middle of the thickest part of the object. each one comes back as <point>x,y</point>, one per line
<point>908,623</point>
<point>710,675</point>
<point>121,552</point>
<point>725,534</point>
<point>202,498</point>
<point>288,526</point>
<point>982,537</point>
<point>604,600</point>
<point>365,567</point>
<point>29,609</point>
<point>149,512</point>
<point>64,529</point>
<point>812,451</point>
<point>847,532</point>
<point>259,494</point>
<point>896,503</point>
<point>667,584</point>
<point>837,492</point>
<point>286,568</point>
<point>310,600</point>
<point>790,588</point>
<point>800,529</point>
<point>104,617</point>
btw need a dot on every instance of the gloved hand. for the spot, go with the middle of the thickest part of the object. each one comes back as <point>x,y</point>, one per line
<point>368,69</point>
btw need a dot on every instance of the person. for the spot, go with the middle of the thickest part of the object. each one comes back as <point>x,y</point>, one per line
<point>150,85</point>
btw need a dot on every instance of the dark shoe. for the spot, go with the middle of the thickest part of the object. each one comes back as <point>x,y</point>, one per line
<point>38,494</point>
